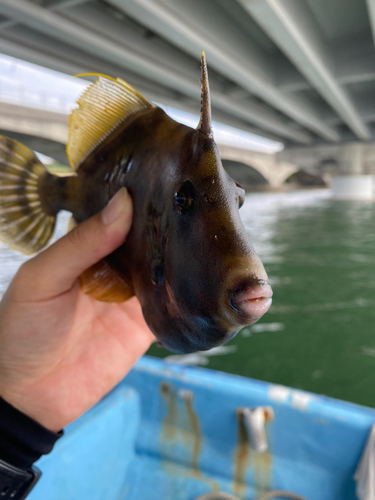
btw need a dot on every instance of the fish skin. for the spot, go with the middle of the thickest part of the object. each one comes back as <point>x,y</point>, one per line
<point>180,265</point>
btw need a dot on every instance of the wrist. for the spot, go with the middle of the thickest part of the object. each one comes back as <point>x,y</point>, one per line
<point>31,408</point>
<point>23,440</point>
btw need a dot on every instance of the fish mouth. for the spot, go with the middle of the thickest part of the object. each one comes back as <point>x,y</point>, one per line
<point>251,301</point>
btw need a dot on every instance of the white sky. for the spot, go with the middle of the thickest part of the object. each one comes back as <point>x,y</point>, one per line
<point>31,85</point>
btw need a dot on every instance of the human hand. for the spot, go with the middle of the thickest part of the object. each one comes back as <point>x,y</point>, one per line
<point>61,351</point>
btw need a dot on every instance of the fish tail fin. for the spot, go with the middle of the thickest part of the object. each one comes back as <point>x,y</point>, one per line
<point>24,225</point>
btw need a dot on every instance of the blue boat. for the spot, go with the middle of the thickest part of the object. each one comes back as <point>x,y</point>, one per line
<point>171,432</point>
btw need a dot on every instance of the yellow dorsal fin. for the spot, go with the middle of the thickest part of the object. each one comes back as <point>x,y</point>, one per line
<point>103,106</point>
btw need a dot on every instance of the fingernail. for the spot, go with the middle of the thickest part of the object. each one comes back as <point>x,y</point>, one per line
<point>115,207</point>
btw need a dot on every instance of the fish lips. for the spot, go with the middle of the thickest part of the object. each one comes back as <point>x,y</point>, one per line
<point>246,304</point>
<point>250,300</point>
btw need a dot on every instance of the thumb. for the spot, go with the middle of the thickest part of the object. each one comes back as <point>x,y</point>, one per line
<point>54,271</point>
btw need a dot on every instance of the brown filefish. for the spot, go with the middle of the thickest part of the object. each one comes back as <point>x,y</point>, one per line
<point>187,257</point>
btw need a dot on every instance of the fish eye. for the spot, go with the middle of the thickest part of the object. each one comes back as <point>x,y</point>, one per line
<point>241,195</point>
<point>183,196</point>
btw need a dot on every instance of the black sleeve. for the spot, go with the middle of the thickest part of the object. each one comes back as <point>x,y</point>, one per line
<point>22,440</point>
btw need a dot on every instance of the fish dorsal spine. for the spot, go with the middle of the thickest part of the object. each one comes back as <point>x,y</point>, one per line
<point>204,125</point>
<point>103,106</point>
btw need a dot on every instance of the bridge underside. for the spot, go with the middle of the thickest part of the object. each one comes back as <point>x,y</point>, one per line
<point>299,71</point>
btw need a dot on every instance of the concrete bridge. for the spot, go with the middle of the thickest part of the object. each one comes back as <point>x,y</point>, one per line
<point>353,158</point>
<point>323,161</point>
<point>272,169</point>
<point>297,71</point>
<point>47,132</point>
<point>41,130</point>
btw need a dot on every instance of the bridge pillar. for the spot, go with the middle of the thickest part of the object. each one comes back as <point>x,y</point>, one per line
<point>352,182</point>
<point>351,159</point>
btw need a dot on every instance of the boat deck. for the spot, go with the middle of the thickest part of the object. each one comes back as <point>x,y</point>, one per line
<point>169,432</point>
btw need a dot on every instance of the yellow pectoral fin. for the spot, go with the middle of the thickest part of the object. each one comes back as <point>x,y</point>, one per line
<point>102,283</point>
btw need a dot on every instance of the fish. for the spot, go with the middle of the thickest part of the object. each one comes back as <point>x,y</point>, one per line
<point>187,258</point>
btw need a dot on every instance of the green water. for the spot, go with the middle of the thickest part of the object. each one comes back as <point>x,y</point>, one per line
<point>319,334</point>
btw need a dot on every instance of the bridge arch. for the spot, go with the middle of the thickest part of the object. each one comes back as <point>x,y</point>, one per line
<point>244,174</point>
<point>268,165</point>
<point>304,178</point>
